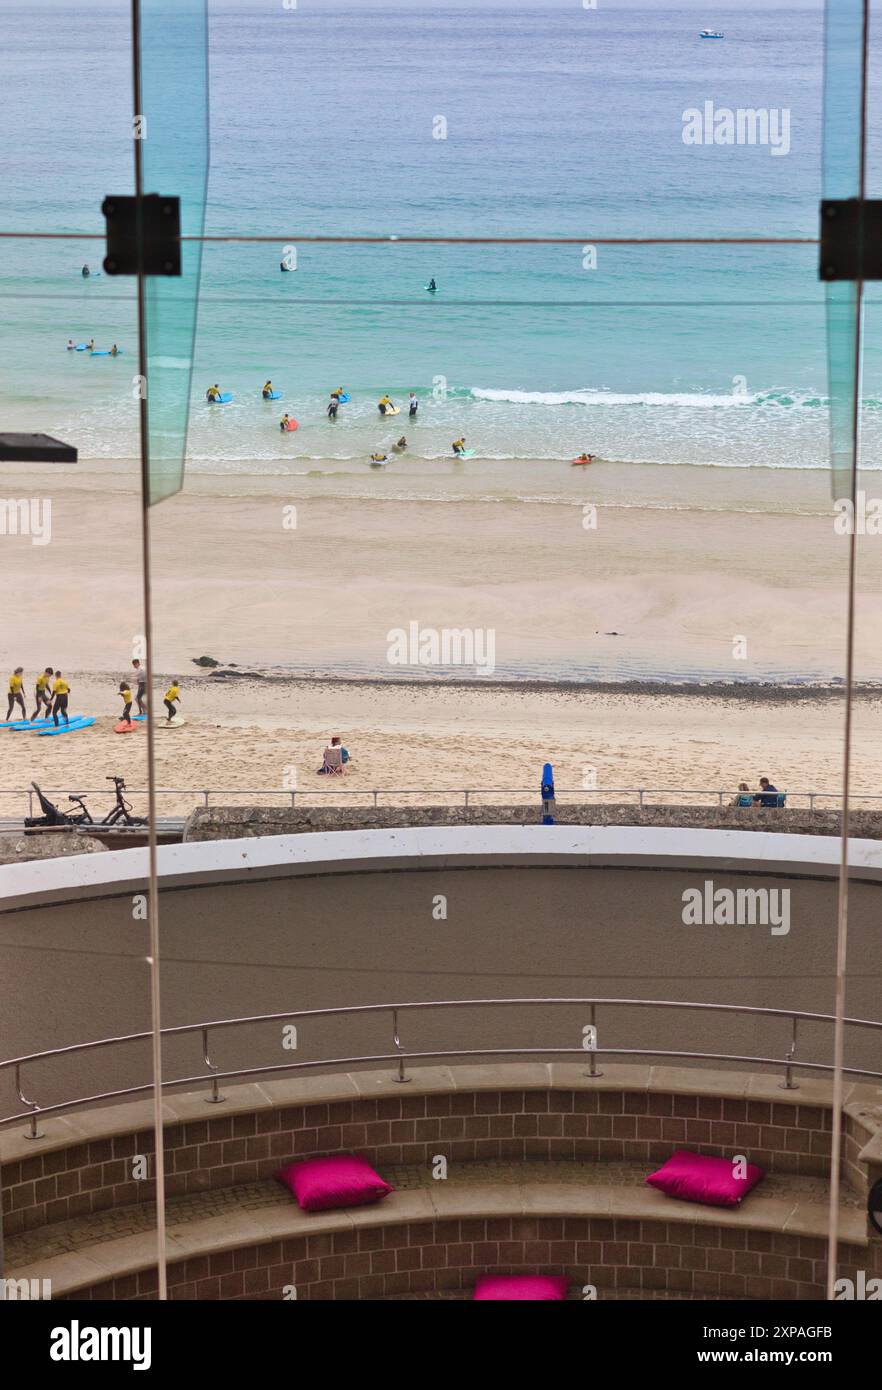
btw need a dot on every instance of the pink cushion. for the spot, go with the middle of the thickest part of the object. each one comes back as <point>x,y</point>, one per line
<point>698,1178</point>
<point>540,1288</point>
<point>345,1180</point>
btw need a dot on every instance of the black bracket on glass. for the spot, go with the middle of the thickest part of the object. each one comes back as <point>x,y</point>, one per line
<point>35,448</point>
<point>161,220</point>
<point>851,239</point>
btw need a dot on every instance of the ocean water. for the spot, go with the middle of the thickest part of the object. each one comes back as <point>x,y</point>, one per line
<point>560,121</point>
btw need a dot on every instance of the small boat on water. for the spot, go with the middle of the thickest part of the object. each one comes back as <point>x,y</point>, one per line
<point>710,34</point>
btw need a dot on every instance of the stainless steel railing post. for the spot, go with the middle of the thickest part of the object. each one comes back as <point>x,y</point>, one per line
<point>788,1084</point>
<point>35,1109</point>
<point>397,1041</point>
<point>215,1098</point>
<point>592,1065</point>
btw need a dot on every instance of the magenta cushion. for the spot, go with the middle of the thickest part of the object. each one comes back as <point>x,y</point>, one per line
<point>541,1288</point>
<point>699,1178</point>
<point>345,1180</point>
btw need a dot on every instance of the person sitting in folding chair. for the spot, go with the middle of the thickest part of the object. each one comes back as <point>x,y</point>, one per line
<point>336,758</point>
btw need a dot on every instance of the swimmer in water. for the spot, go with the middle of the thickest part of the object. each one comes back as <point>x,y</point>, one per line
<point>71,345</point>
<point>85,272</point>
<point>400,446</point>
<point>267,390</point>
<point>91,345</point>
<point>114,351</point>
<point>432,287</point>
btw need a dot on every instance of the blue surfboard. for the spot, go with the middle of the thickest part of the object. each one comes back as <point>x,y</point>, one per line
<point>273,396</point>
<point>23,724</point>
<point>344,398</point>
<point>71,728</point>
<point>222,399</point>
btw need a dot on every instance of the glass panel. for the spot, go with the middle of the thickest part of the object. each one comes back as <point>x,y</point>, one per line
<point>842,179</point>
<point>174,147</point>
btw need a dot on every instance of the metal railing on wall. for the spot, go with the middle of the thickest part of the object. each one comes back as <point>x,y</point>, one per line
<point>399,1054</point>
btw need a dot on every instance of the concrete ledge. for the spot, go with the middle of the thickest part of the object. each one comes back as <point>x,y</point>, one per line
<point>116,872</point>
<point>862,1099</point>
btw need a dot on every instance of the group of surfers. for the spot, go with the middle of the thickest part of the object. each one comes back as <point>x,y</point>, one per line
<point>52,694</point>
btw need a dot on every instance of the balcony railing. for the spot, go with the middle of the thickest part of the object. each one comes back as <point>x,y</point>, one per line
<point>400,1055</point>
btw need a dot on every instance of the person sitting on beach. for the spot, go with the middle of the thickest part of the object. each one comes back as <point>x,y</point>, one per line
<point>15,693</point>
<point>267,390</point>
<point>767,794</point>
<point>44,685</point>
<point>172,697</point>
<point>329,764</point>
<point>744,797</point>
<point>60,695</point>
<point>384,405</point>
<point>213,393</point>
<point>126,695</point>
<point>458,445</point>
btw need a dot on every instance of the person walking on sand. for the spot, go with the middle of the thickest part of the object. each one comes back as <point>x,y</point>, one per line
<point>15,693</point>
<point>172,697</point>
<point>60,696</point>
<point>126,695</point>
<point>41,692</point>
<point>139,673</point>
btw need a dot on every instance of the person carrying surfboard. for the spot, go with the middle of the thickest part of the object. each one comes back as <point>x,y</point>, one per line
<point>42,692</point>
<point>60,694</point>
<point>384,405</point>
<point>126,696</point>
<point>172,696</point>
<point>213,393</point>
<point>15,693</point>
<point>267,390</point>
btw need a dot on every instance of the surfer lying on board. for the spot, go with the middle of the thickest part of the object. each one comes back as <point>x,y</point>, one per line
<point>585,458</point>
<point>378,458</point>
<point>60,693</point>
<point>172,696</point>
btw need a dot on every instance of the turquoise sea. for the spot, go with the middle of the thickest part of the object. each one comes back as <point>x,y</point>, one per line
<point>560,121</point>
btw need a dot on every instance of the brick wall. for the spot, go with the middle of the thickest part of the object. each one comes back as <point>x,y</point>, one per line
<point>445,1256</point>
<point>225,1150</point>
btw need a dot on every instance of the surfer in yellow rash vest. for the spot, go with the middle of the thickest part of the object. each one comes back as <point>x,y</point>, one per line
<point>172,697</point>
<point>15,693</point>
<point>126,696</point>
<point>41,692</point>
<point>60,693</point>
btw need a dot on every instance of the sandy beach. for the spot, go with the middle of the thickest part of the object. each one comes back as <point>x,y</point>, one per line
<point>677,571</point>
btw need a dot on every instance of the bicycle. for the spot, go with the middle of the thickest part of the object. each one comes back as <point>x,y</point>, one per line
<point>122,811</point>
<point>53,816</point>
